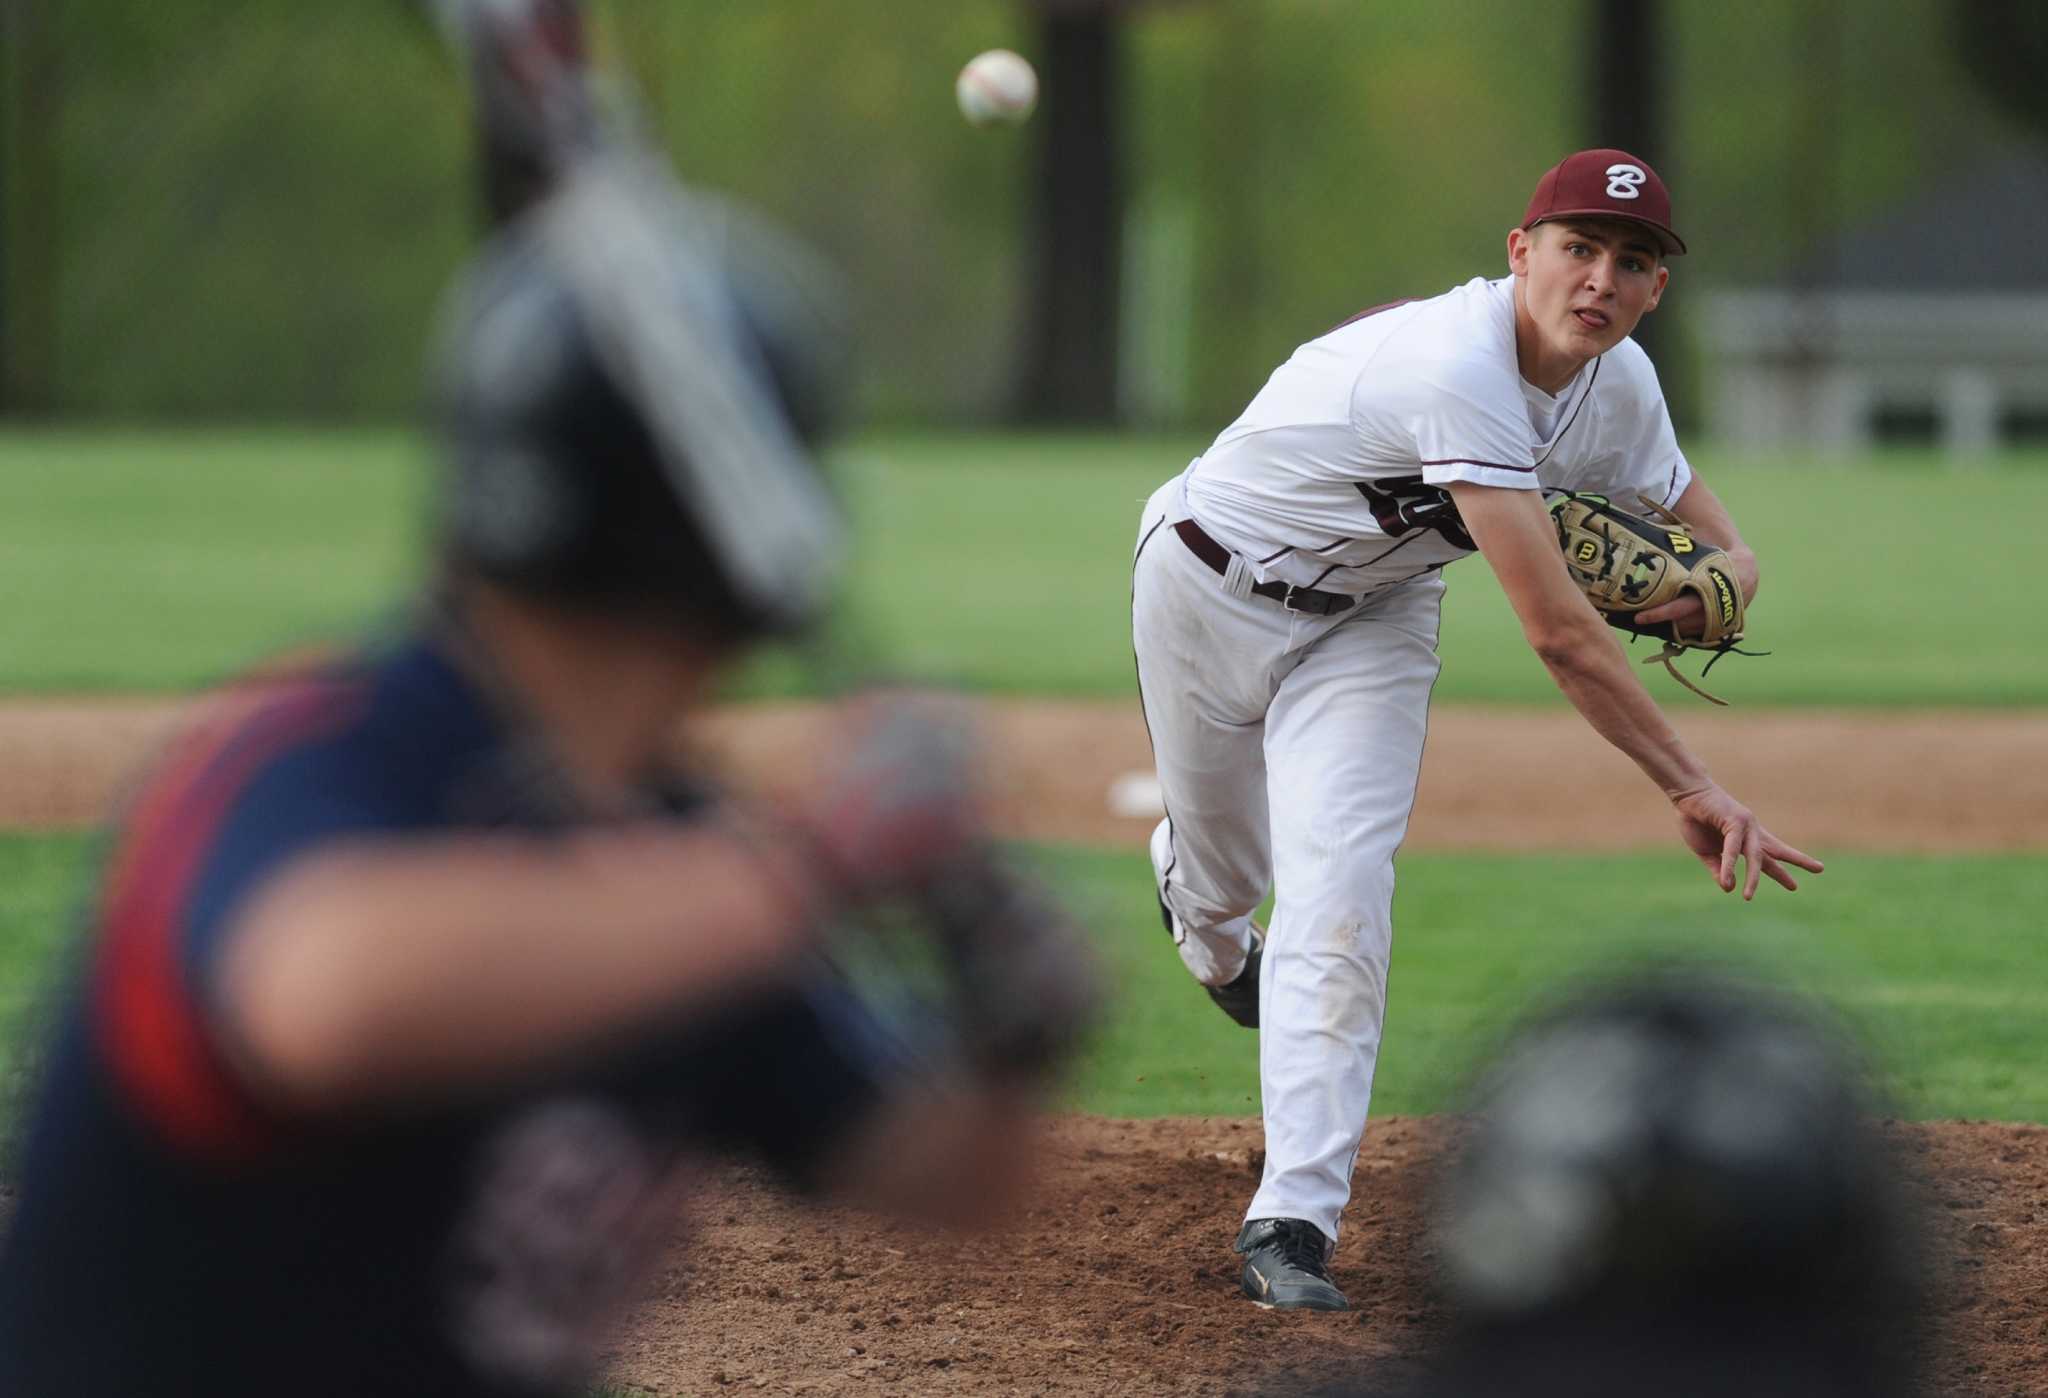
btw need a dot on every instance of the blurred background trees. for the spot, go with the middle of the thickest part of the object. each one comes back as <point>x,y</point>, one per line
<point>246,209</point>
<point>2004,45</point>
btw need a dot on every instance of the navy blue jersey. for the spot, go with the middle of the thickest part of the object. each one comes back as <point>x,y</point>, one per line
<point>176,1236</point>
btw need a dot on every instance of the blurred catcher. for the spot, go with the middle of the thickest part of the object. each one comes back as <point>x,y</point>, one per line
<point>1674,1185</point>
<point>415,981</point>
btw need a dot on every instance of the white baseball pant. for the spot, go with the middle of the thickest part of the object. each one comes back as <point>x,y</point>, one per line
<point>1288,747</point>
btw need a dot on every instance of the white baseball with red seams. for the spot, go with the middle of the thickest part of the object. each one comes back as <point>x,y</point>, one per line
<point>997,86</point>
<point>1288,741</point>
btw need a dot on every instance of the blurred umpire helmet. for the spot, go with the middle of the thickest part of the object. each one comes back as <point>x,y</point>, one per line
<point>631,383</point>
<point>1679,1176</point>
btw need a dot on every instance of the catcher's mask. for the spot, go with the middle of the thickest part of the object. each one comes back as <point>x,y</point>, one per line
<point>630,384</point>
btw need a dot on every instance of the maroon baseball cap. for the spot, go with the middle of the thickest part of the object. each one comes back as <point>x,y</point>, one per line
<point>1605,183</point>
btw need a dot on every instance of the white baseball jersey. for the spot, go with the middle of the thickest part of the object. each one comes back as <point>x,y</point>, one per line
<point>1288,742</point>
<point>1333,477</point>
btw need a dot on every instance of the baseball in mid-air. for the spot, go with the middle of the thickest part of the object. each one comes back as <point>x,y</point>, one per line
<point>997,86</point>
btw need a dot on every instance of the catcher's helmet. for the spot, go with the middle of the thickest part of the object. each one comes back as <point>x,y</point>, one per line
<point>1678,1176</point>
<point>630,384</point>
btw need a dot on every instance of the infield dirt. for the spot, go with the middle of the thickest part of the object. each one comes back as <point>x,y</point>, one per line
<point>1491,778</point>
<point>1118,1278</point>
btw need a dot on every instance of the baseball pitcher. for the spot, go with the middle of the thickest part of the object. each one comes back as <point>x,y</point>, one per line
<point>1285,603</point>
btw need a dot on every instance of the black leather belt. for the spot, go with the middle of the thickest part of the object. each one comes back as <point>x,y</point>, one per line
<point>1295,599</point>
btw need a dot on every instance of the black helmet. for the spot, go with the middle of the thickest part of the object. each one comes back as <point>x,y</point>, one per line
<point>1678,1175</point>
<point>630,387</point>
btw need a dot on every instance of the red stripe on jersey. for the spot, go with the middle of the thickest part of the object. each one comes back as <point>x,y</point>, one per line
<point>156,1043</point>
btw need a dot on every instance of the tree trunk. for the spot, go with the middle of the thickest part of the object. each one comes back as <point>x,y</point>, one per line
<point>1627,86</point>
<point>29,111</point>
<point>2004,44</point>
<point>1070,352</point>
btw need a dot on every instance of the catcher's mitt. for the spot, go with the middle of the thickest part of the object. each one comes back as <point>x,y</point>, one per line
<point>1626,564</point>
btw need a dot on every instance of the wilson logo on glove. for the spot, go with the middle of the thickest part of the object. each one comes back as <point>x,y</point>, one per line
<point>1627,564</point>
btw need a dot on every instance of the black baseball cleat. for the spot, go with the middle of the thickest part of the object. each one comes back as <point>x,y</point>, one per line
<point>1240,998</point>
<point>1286,1266</point>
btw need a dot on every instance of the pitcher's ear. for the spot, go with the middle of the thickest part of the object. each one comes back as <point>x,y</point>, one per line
<point>1520,241</point>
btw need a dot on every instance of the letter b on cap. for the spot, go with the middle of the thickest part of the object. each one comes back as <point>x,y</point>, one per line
<point>1623,179</point>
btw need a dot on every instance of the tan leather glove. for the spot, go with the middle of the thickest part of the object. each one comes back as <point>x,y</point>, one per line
<point>1627,564</point>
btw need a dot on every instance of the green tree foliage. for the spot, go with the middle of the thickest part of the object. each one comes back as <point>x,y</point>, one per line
<point>259,203</point>
<point>261,200</point>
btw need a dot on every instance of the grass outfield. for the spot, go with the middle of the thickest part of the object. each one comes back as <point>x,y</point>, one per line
<point>1936,963</point>
<point>161,561</point>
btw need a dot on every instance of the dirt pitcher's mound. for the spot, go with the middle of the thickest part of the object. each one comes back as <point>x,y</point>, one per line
<point>1491,778</point>
<point>1120,1278</point>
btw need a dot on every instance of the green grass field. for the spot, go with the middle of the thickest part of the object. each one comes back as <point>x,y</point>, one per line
<point>161,561</point>
<point>1935,964</point>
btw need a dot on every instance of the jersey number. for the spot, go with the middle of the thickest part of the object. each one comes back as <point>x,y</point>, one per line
<point>1405,505</point>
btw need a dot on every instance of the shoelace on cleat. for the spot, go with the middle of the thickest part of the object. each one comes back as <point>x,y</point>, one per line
<point>1301,1247</point>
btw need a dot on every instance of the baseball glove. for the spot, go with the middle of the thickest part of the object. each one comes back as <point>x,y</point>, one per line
<point>1626,564</point>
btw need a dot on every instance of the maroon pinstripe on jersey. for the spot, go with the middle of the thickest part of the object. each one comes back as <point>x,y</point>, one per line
<point>1373,311</point>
